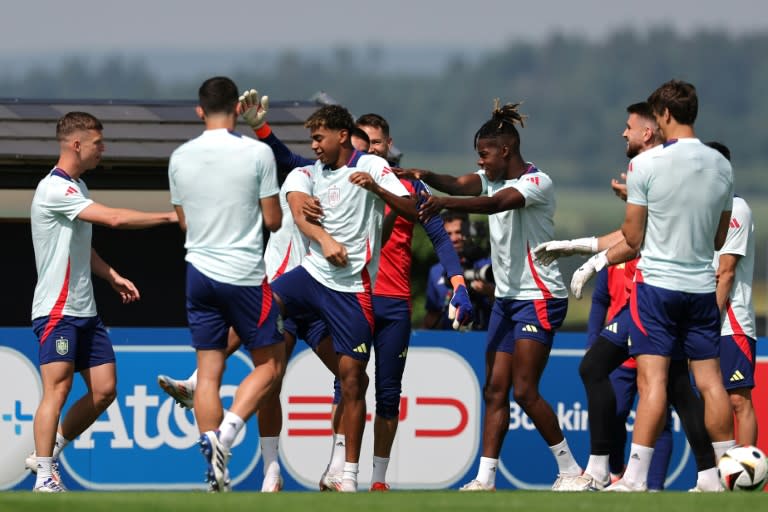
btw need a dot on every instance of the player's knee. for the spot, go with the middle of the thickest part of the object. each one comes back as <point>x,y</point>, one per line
<point>525,396</point>
<point>354,385</point>
<point>739,403</point>
<point>495,394</point>
<point>102,398</point>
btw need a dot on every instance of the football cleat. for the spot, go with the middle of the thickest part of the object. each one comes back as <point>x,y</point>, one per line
<point>31,464</point>
<point>476,485</point>
<point>577,483</point>
<point>348,485</point>
<point>217,459</point>
<point>622,485</point>
<point>330,481</point>
<point>272,484</point>
<point>379,486</point>
<point>178,390</point>
<point>50,485</point>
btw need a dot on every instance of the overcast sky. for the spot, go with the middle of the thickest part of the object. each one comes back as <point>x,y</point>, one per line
<point>56,26</point>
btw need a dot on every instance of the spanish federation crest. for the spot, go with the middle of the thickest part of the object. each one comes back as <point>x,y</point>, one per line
<point>334,196</point>
<point>62,346</point>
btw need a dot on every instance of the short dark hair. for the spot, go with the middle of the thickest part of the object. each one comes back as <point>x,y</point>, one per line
<point>332,117</point>
<point>679,98</point>
<point>360,134</point>
<point>76,121</point>
<point>218,95</point>
<point>642,109</point>
<point>374,120</point>
<point>453,215</point>
<point>721,148</point>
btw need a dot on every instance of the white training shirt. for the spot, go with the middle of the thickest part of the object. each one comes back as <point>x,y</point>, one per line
<point>286,247</point>
<point>218,179</point>
<point>686,185</point>
<point>62,246</point>
<point>739,317</point>
<point>353,217</point>
<point>514,234</point>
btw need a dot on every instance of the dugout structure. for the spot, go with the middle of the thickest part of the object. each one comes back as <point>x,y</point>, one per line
<point>140,137</point>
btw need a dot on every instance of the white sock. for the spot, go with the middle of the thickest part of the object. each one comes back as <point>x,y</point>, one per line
<point>230,426</point>
<point>486,472</point>
<point>269,452</point>
<point>598,468</point>
<point>721,447</point>
<point>566,464</point>
<point>43,470</point>
<point>192,381</point>
<point>61,442</point>
<point>338,454</point>
<point>636,473</point>
<point>350,471</point>
<point>379,469</point>
<point>708,480</point>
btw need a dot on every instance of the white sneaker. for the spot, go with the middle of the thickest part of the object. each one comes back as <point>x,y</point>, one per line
<point>577,483</point>
<point>50,485</point>
<point>272,483</point>
<point>699,489</point>
<point>348,485</point>
<point>330,481</point>
<point>31,464</point>
<point>476,485</point>
<point>178,390</point>
<point>621,485</point>
<point>217,459</point>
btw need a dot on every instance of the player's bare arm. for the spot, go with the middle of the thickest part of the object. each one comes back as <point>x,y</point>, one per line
<point>125,288</point>
<point>466,185</point>
<point>272,213</point>
<point>726,274</point>
<point>506,199</point>
<point>123,218</point>
<point>633,228</point>
<point>333,251</point>
<point>722,229</point>
<point>405,206</point>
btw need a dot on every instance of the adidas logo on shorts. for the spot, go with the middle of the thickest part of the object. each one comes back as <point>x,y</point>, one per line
<point>530,328</point>
<point>361,349</point>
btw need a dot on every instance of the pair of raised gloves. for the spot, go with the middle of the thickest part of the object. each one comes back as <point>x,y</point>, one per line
<point>548,252</point>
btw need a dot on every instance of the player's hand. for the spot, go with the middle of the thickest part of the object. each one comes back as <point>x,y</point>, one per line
<point>620,187</point>
<point>334,252</point>
<point>363,179</point>
<point>253,109</point>
<point>409,174</point>
<point>460,309</point>
<point>430,206</point>
<point>312,210</point>
<point>547,252</point>
<point>125,288</point>
<point>585,272</point>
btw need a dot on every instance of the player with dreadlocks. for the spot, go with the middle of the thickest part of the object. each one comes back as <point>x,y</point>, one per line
<point>531,300</point>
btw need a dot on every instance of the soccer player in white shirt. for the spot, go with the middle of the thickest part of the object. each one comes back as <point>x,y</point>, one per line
<point>679,203</point>
<point>735,265</point>
<point>224,188</point>
<point>335,280</point>
<point>531,299</point>
<point>64,318</point>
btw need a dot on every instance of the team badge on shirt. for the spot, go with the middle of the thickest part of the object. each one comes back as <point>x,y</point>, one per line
<point>334,196</point>
<point>62,346</point>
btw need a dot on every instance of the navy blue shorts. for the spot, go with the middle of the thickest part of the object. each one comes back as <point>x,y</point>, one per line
<point>214,307</point>
<point>309,328</point>
<point>82,341</point>
<point>348,315</point>
<point>665,322</point>
<point>513,320</point>
<point>617,329</point>
<point>737,361</point>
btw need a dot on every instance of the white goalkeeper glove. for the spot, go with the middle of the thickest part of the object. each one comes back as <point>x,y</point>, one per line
<point>547,252</point>
<point>585,272</point>
<point>253,110</point>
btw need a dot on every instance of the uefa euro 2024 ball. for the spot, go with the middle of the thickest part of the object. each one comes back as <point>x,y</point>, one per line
<point>743,468</point>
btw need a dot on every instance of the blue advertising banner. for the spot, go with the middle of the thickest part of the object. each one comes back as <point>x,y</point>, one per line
<point>145,441</point>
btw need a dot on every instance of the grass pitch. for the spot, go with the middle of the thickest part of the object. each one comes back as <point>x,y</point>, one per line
<point>399,501</point>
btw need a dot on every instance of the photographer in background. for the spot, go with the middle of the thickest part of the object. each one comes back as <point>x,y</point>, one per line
<point>476,262</point>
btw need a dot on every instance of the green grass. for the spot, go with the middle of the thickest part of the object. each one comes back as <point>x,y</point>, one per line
<point>528,501</point>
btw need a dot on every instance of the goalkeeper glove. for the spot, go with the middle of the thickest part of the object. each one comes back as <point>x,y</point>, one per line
<point>585,272</point>
<point>548,252</point>
<point>253,110</point>
<point>460,309</point>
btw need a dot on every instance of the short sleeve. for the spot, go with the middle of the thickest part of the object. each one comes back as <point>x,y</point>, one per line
<point>483,182</point>
<point>175,199</point>
<point>65,198</point>
<point>738,232</point>
<point>637,181</point>
<point>269,185</point>
<point>536,188</point>
<point>299,180</point>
